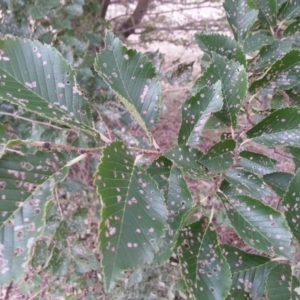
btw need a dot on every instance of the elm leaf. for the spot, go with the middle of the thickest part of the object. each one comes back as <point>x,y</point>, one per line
<point>26,184</point>
<point>204,268</point>
<point>133,78</point>
<point>249,272</point>
<point>37,79</point>
<point>133,214</point>
<point>260,226</point>
<point>196,111</point>
<point>241,15</point>
<point>280,128</point>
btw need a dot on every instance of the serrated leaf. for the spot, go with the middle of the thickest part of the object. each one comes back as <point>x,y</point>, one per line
<point>279,282</point>
<point>278,181</point>
<point>267,11</point>
<point>260,226</point>
<point>282,75</point>
<point>292,33</point>
<point>187,159</point>
<point>36,78</point>
<point>290,10</point>
<point>256,41</point>
<point>290,203</point>
<point>133,215</point>
<point>280,128</point>
<point>178,199</point>
<point>249,272</point>
<point>223,45</point>
<point>234,85</point>
<point>248,183</point>
<point>133,78</point>
<point>220,156</point>
<point>160,170</point>
<point>257,163</point>
<point>26,184</point>
<point>204,268</point>
<point>295,151</point>
<point>241,15</point>
<point>269,54</point>
<point>196,111</point>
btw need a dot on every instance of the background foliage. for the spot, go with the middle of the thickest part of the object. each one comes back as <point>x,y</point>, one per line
<point>93,208</point>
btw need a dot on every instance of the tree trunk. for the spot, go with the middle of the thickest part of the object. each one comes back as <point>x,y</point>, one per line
<point>128,26</point>
<point>104,7</point>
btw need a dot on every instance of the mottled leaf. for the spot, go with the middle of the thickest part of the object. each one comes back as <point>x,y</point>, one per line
<point>257,163</point>
<point>290,10</point>
<point>220,156</point>
<point>133,78</point>
<point>234,85</point>
<point>249,272</point>
<point>204,268</point>
<point>256,41</point>
<point>267,11</point>
<point>248,183</point>
<point>290,202</point>
<point>133,216</point>
<point>196,111</point>
<point>260,226</point>
<point>187,159</point>
<point>282,75</point>
<point>241,15</point>
<point>221,44</point>
<point>292,33</point>
<point>295,151</point>
<point>26,184</point>
<point>36,78</point>
<point>178,199</point>
<point>280,128</point>
<point>279,282</point>
<point>278,181</point>
<point>269,54</point>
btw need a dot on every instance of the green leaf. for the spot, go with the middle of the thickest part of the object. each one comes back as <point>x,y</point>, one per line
<point>295,151</point>
<point>267,11</point>
<point>256,41</point>
<point>282,75</point>
<point>26,184</point>
<point>178,199</point>
<point>204,268</point>
<point>196,111</point>
<point>260,226</point>
<point>241,15</point>
<point>133,78</point>
<point>234,85</point>
<point>223,45</point>
<point>249,272</point>
<point>292,33</point>
<point>280,128</point>
<point>248,183</point>
<point>220,156</point>
<point>133,215</point>
<point>269,54</point>
<point>160,170</point>
<point>290,203</point>
<point>290,10</point>
<point>279,282</point>
<point>187,159</point>
<point>41,8</point>
<point>257,163</point>
<point>278,181</point>
<point>36,78</point>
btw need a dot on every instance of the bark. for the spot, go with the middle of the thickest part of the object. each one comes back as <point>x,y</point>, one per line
<point>104,4</point>
<point>129,25</point>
